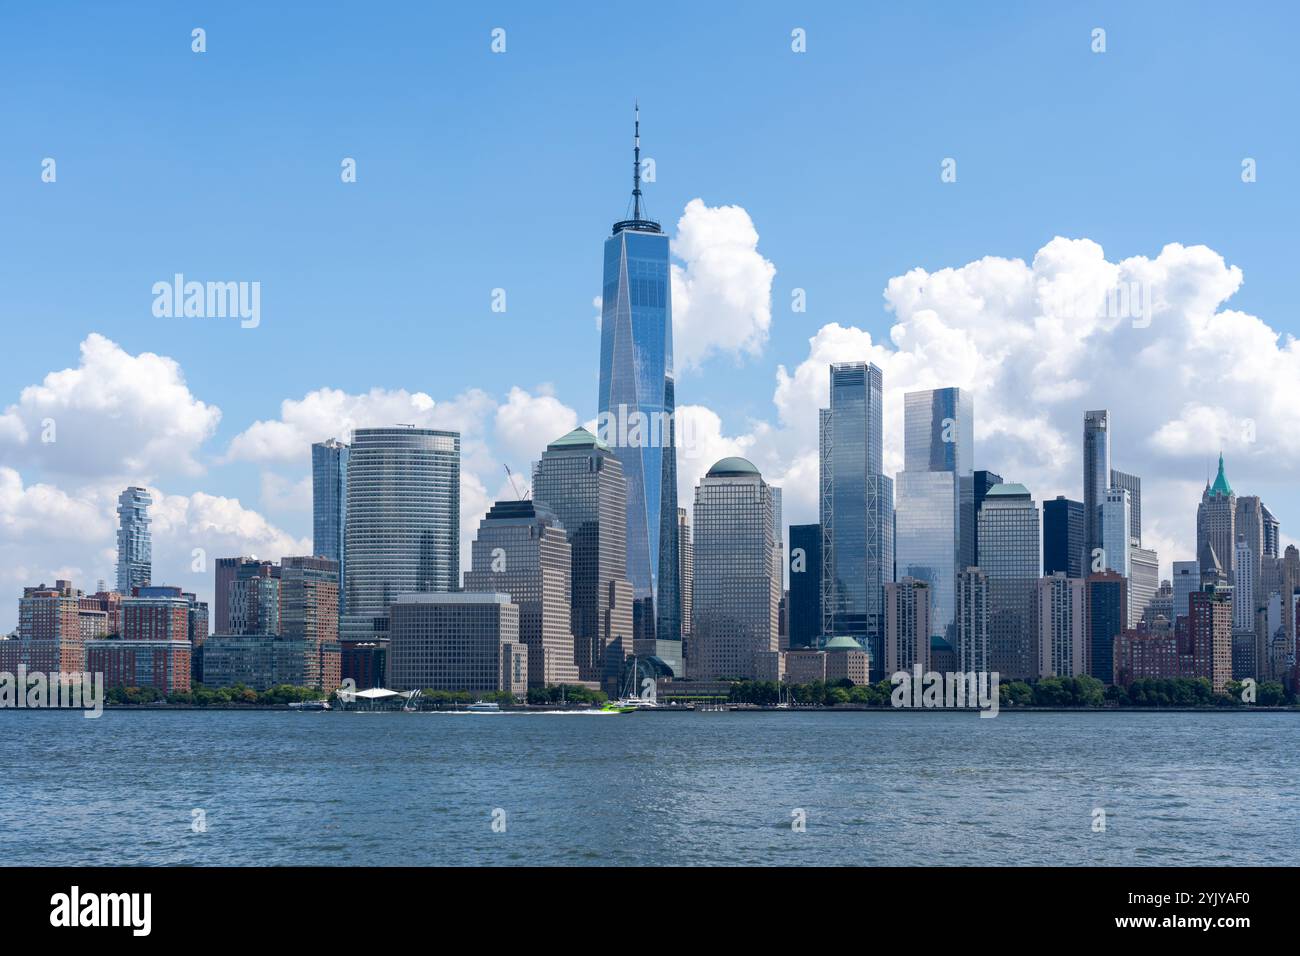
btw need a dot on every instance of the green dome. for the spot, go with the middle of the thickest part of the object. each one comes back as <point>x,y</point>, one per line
<point>843,643</point>
<point>731,467</point>
<point>578,438</point>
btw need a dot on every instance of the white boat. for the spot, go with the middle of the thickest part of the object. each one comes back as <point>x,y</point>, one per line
<point>484,707</point>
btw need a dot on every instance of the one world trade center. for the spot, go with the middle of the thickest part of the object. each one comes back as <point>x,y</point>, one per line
<point>637,419</point>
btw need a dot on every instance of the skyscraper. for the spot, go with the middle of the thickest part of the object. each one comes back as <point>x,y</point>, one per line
<point>580,479</point>
<point>637,406</point>
<point>1063,530</point>
<point>908,629</point>
<point>973,621</point>
<point>329,503</point>
<point>805,584</point>
<point>935,498</point>
<point>522,550</point>
<point>1011,556</point>
<point>1216,522</point>
<point>734,624</point>
<point>1096,476</point>
<point>309,595</point>
<point>1133,485</point>
<point>1107,594</point>
<point>1062,612</point>
<point>857,509</point>
<point>984,481</point>
<point>1187,578</point>
<point>134,541</point>
<point>1143,582</point>
<point>1116,531</point>
<point>403,522</point>
<point>685,571</point>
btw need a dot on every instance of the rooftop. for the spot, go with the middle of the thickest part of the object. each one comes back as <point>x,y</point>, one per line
<point>733,467</point>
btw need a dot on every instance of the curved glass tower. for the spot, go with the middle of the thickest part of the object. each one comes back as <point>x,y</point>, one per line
<point>403,522</point>
<point>637,405</point>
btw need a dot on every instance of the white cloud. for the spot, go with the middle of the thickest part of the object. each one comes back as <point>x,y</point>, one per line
<point>48,533</point>
<point>526,423</point>
<point>1039,343</point>
<point>114,414</point>
<point>722,295</point>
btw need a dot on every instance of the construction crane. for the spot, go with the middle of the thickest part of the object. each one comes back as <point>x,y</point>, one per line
<point>511,475</point>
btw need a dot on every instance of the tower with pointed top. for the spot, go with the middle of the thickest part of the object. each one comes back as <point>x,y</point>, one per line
<point>637,406</point>
<point>1216,527</point>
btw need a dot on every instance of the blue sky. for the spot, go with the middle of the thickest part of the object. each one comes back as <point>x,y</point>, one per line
<point>479,171</point>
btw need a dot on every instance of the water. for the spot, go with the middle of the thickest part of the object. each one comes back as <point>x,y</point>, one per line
<point>877,788</point>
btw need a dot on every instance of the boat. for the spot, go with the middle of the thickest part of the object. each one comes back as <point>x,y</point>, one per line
<point>484,707</point>
<point>617,707</point>
<point>309,705</point>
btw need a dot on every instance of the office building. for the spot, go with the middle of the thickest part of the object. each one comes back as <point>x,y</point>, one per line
<point>736,592</point>
<point>1216,522</point>
<point>1063,541</point>
<point>329,504</point>
<point>805,604</point>
<point>935,498</point>
<point>1107,609</point>
<point>1011,551</point>
<point>856,507</point>
<point>403,522</point>
<point>522,550</point>
<point>637,408</point>
<point>580,480</point>
<point>466,641</point>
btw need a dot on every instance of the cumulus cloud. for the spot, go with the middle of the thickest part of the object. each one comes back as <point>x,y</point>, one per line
<point>1038,343</point>
<point>114,414</point>
<point>48,533</point>
<point>526,423</point>
<point>722,292</point>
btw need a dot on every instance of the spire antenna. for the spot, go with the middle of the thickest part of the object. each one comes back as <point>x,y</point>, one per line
<point>636,162</point>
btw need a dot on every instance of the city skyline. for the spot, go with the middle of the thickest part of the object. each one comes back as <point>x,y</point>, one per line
<point>152,401</point>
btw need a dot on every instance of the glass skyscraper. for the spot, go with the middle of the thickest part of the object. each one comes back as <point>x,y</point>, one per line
<point>935,499</point>
<point>1011,557</point>
<point>329,503</point>
<point>636,409</point>
<point>857,510</point>
<point>805,605</point>
<point>1096,476</point>
<point>134,540</point>
<point>403,522</point>
<point>1063,537</point>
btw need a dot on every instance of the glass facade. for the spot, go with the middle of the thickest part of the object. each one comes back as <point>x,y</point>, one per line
<point>134,540</point>
<point>1096,475</point>
<point>329,503</point>
<point>1011,551</point>
<point>934,541</point>
<point>857,509</point>
<point>1133,485</point>
<point>1063,537</point>
<point>637,407</point>
<point>403,522</point>
<point>805,584</point>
